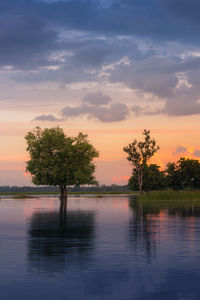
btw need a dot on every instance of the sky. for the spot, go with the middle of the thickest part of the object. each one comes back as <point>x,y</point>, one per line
<point>107,68</point>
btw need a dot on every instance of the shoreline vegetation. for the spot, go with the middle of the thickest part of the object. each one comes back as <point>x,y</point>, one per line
<point>156,201</point>
<point>24,195</point>
<point>152,196</point>
<point>170,195</point>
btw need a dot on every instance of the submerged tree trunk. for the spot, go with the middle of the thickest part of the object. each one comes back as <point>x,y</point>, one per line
<point>140,181</point>
<point>63,211</point>
<point>63,192</point>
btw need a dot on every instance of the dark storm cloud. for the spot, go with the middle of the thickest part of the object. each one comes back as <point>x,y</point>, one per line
<point>73,41</point>
<point>183,9</point>
<point>157,19</point>
<point>65,74</point>
<point>92,53</point>
<point>31,28</point>
<point>25,41</point>
<point>79,58</point>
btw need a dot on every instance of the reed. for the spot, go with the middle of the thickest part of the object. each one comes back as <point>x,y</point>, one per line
<point>171,195</point>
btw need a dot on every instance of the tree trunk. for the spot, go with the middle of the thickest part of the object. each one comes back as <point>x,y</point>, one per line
<point>63,211</point>
<point>140,181</point>
<point>63,192</point>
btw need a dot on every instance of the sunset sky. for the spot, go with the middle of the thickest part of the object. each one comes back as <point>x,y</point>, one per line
<point>108,68</point>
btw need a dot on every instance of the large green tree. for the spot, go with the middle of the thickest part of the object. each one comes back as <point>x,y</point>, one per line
<point>153,178</point>
<point>59,160</point>
<point>184,174</point>
<point>139,154</point>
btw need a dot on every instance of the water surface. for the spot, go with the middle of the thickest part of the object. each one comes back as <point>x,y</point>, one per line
<point>112,247</point>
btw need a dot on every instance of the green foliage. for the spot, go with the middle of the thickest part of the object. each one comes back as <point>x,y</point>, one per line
<point>56,159</point>
<point>184,174</point>
<point>22,196</point>
<point>173,202</point>
<point>181,175</point>
<point>139,153</point>
<point>169,195</point>
<point>153,178</point>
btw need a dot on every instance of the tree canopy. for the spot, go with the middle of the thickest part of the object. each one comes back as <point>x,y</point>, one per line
<point>184,174</point>
<point>139,154</point>
<point>180,175</point>
<point>153,178</point>
<point>59,160</point>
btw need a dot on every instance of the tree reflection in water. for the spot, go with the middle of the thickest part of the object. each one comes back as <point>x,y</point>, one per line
<point>56,238</point>
<point>141,230</point>
<point>152,221</point>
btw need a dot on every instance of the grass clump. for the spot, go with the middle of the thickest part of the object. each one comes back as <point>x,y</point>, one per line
<point>171,195</point>
<point>22,196</point>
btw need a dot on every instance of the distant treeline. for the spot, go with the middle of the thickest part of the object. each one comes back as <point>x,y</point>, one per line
<point>53,189</point>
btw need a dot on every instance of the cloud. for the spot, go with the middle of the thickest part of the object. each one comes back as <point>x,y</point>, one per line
<point>187,150</point>
<point>139,110</point>
<point>180,150</point>
<point>92,53</point>
<point>25,41</point>
<point>85,41</point>
<point>197,153</point>
<point>152,75</point>
<point>97,109</point>
<point>113,113</point>
<point>175,81</point>
<point>78,58</point>
<point>47,118</point>
<point>96,99</point>
<point>29,32</point>
<point>159,19</point>
<point>182,105</point>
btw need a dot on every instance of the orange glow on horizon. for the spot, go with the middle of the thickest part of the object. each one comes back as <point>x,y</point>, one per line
<point>112,166</point>
<point>118,179</point>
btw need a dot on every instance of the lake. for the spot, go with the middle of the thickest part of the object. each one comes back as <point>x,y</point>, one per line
<point>110,247</point>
